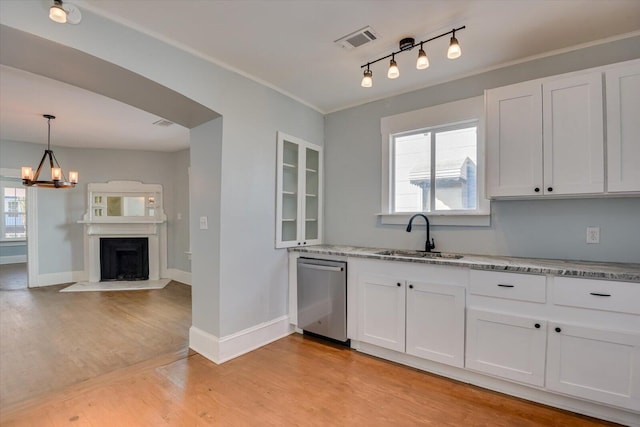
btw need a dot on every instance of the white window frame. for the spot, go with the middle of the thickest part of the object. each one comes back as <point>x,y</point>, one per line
<point>469,110</point>
<point>4,184</point>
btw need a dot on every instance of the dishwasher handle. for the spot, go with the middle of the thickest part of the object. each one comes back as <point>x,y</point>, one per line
<point>320,267</point>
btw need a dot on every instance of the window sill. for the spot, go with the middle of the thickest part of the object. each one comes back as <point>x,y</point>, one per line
<point>13,242</point>
<point>457,219</point>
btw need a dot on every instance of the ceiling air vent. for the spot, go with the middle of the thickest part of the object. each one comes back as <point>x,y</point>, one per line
<point>163,123</point>
<point>357,38</point>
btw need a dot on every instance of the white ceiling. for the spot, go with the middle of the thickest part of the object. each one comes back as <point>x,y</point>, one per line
<point>289,45</point>
<point>83,118</point>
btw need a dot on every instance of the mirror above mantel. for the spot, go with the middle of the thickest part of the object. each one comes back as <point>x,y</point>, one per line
<point>124,202</point>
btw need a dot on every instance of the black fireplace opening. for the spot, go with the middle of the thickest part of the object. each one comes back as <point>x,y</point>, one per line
<point>124,258</point>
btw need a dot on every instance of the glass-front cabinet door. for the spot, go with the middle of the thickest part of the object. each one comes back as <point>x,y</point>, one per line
<point>299,192</point>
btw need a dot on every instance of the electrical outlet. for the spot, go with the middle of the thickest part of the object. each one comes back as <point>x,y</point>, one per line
<point>593,234</point>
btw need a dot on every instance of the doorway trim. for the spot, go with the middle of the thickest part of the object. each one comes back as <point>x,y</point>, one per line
<point>32,228</point>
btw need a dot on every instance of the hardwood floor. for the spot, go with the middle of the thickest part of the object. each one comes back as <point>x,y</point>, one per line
<point>13,276</point>
<point>294,381</point>
<point>51,340</point>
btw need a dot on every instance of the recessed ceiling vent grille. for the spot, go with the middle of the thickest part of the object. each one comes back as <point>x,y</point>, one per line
<point>357,38</point>
<point>163,123</point>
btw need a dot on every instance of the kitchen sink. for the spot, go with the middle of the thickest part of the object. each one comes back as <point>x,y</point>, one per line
<point>419,254</point>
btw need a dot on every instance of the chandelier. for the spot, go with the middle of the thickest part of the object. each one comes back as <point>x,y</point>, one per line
<point>58,179</point>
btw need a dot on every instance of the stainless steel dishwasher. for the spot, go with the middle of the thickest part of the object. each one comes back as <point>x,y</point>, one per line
<point>322,297</point>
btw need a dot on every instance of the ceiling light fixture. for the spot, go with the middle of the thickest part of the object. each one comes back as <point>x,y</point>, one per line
<point>58,180</point>
<point>57,13</point>
<point>407,44</point>
<point>367,81</point>
<point>393,72</point>
<point>67,14</point>
<point>423,60</point>
<point>454,47</point>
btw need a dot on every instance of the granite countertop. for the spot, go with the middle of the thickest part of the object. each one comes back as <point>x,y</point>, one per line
<point>586,269</point>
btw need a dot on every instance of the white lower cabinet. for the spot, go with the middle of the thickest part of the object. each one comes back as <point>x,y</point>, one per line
<point>507,346</point>
<point>382,311</point>
<point>416,311</point>
<point>435,322</point>
<point>563,335</point>
<point>594,364</point>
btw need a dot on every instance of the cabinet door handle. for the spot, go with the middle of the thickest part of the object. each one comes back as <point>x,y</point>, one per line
<point>410,286</point>
<point>537,325</point>
<point>558,330</point>
<point>399,284</point>
<point>549,189</point>
<point>537,189</point>
<point>598,294</point>
<point>502,285</point>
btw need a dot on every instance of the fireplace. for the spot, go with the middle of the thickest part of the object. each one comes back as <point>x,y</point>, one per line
<point>124,258</point>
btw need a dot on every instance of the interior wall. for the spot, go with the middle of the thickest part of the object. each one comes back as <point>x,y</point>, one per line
<point>61,238</point>
<point>540,228</point>
<point>252,277</point>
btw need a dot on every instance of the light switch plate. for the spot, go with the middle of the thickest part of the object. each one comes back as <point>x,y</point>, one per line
<point>204,224</point>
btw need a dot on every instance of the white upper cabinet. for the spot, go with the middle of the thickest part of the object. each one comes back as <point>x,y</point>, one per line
<point>573,135</point>
<point>514,140</point>
<point>546,137</point>
<point>623,127</point>
<point>298,193</point>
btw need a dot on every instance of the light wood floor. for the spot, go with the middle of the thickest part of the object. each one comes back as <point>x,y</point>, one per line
<point>296,381</point>
<point>13,276</point>
<point>51,340</point>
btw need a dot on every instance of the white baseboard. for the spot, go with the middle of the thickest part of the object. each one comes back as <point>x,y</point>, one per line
<point>220,350</point>
<point>57,278</point>
<point>13,259</point>
<point>179,275</point>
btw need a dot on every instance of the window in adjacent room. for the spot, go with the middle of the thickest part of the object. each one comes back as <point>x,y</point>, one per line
<point>13,224</point>
<point>433,163</point>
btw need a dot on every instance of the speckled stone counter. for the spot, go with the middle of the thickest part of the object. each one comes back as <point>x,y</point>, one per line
<point>594,270</point>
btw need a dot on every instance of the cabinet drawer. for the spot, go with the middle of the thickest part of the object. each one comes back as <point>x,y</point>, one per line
<point>516,286</point>
<point>622,297</point>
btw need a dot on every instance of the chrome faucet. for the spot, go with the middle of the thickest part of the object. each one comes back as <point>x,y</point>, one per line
<point>428,244</point>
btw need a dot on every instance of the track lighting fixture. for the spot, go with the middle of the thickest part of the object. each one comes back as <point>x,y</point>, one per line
<point>393,72</point>
<point>423,61</point>
<point>407,44</point>
<point>367,81</point>
<point>454,47</point>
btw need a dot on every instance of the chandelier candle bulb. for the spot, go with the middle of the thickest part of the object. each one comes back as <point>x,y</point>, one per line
<point>56,174</point>
<point>27,173</point>
<point>73,177</point>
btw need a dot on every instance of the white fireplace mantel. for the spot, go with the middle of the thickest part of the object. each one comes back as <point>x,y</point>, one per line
<point>151,224</point>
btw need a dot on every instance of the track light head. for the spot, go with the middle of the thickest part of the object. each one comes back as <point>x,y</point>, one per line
<point>57,13</point>
<point>367,80</point>
<point>393,72</point>
<point>454,47</point>
<point>423,61</point>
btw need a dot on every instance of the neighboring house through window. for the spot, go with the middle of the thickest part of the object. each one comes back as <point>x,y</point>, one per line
<point>433,163</point>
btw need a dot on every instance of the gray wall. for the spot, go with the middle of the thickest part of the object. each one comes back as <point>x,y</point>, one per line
<point>542,228</point>
<point>60,237</point>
